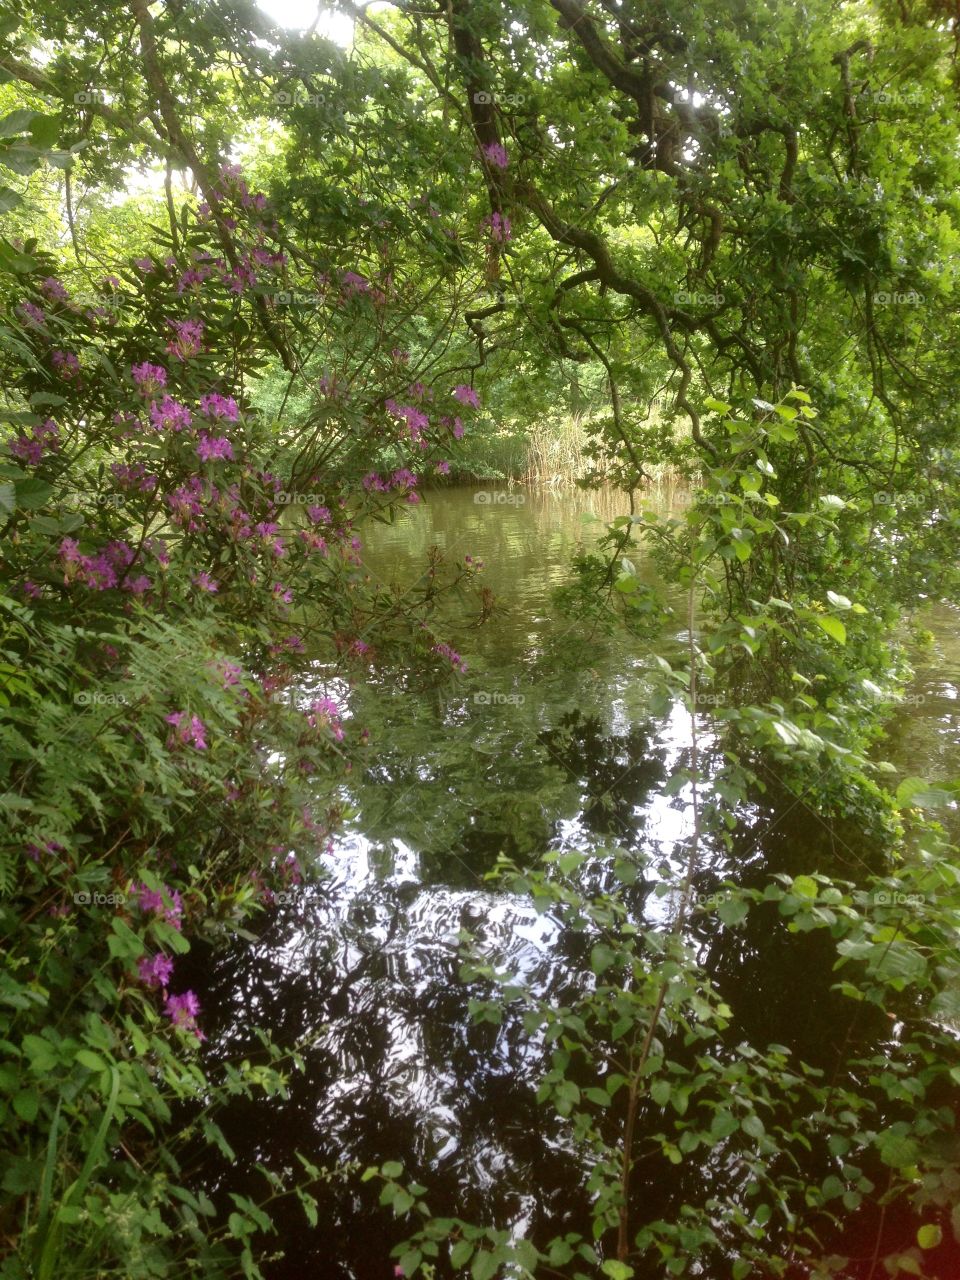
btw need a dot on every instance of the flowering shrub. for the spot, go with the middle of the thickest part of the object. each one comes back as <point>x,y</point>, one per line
<point>162,776</point>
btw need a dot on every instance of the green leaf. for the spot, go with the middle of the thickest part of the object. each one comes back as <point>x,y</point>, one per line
<point>805,887</point>
<point>461,1253</point>
<point>32,493</point>
<point>732,910</point>
<point>92,1061</point>
<point>660,1092</point>
<point>832,626</point>
<point>392,1169</point>
<point>753,1126</point>
<point>17,122</point>
<point>410,1261</point>
<point>26,1104</point>
<point>617,1270</point>
<point>601,958</point>
<point>929,1236</point>
<point>44,130</point>
<point>484,1265</point>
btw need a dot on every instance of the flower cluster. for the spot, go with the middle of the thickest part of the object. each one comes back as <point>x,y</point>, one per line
<point>31,448</point>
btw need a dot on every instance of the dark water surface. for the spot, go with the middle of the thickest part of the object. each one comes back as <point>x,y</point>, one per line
<point>551,740</point>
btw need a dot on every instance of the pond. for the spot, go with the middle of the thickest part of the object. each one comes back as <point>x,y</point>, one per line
<point>552,739</point>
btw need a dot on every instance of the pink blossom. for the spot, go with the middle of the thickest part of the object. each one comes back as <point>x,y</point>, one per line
<point>155,971</point>
<point>454,658</point>
<point>187,341</point>
<point>53,290</point>
<point>206,583</point>
<point>211,447</point>
<point>496,155</point>
<point>182,1011</point>
<point>500,229</point>
<point>149,378</point>
<point>134,475</point>
<point>31,448</point>
<point>466,395</point>
<point>354,284</point>
<point>191,731</point>
<point>217,406</point>
<point>66,364</point>
<point>32,314</point>
<point>325,714</point>
<point>156,901</point>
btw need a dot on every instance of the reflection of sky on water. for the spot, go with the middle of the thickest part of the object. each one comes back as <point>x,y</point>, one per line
<point>366,963</point>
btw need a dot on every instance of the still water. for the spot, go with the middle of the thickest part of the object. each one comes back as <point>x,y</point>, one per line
<point>551,740</point>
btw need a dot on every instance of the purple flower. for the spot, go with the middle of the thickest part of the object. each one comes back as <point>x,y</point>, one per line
<point>156,901</point>
<point>324,713</point>
<point>54,290</point>
<point>134,475</point>
<point>206,583</point>
<point>466,395</point>
<point>66,364</point>
<point>31,448</point>
<point>191,731</point>
<point>443,468</point>
<point>354,284</point>
<point>143,264</point>
<point>217,406</point>
<point>155,970</point>
<point>169,415</point>
<point>454,658</point>
<point>182,1011</point>
<point>211,447</point>
<point>188,339</point>
<point>496,154</point>
<point>32,314</point>
<point>500,229</point>
<point>149,378</point>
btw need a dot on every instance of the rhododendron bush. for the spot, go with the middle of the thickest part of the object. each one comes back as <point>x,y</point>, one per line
<point>175,566</point>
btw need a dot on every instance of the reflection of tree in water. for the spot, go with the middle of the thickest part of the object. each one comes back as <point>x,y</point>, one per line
<point>615,772</point>
<point>398,1070</point>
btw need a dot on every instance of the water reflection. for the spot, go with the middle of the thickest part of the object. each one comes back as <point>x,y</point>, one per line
<point>365,965</point>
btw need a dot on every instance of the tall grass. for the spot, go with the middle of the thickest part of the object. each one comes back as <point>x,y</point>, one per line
<point>556,451</point>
